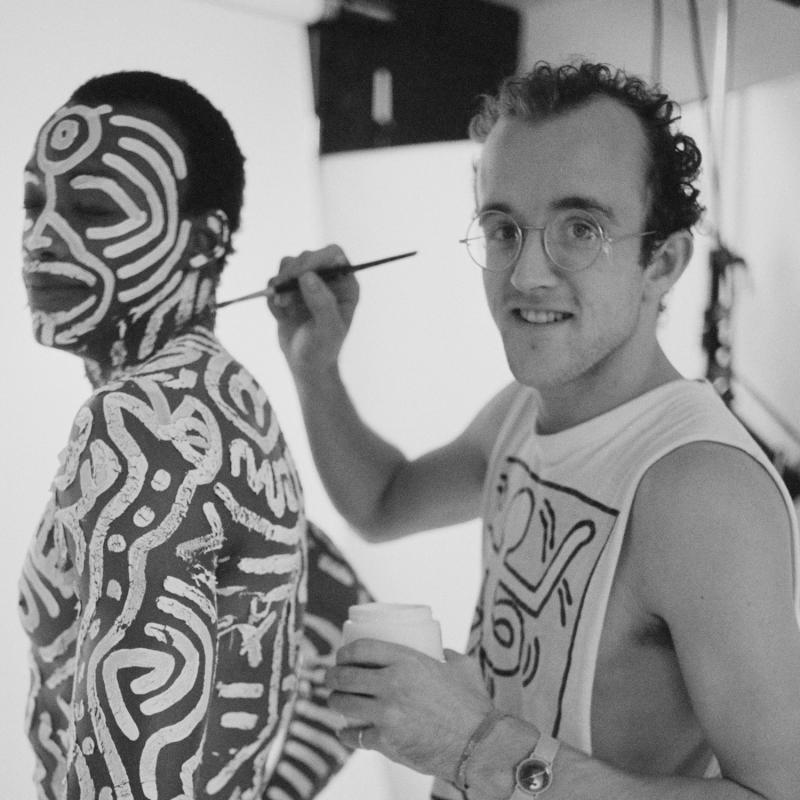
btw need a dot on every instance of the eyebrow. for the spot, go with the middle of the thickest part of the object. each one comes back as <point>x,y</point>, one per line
<point>584,203</point>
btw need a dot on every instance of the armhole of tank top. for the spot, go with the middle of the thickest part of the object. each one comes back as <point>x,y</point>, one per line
<point>522,399</point>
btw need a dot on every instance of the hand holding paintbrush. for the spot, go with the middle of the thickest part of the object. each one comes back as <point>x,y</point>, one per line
<point>326,273</point>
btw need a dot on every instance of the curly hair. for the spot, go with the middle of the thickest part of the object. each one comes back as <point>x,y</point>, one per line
<point>674,158</point>
<point>216,165</point>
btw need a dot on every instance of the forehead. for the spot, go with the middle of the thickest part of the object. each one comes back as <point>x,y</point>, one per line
<point>597,150</point>
<point>81,135</point>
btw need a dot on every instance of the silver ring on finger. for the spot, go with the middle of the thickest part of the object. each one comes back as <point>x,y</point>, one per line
<point>360,738</point>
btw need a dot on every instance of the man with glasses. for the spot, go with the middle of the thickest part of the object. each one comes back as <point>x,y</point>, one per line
<point>636,633</point>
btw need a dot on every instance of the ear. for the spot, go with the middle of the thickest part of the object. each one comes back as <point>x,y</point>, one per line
<point>210,239</point>
<point>667,265</point>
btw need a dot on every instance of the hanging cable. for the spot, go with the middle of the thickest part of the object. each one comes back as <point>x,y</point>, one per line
<point>705,101</point>
<point>658,41</point>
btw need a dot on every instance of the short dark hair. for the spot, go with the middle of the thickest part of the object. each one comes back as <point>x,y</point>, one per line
<point>216,165</point>
<point>675,159</point>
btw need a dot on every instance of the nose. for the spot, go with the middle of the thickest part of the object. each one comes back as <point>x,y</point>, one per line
<point>41,241</point>
<point>533,268</point>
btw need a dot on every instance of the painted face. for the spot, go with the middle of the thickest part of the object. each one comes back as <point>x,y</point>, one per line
<point>562,331</point>
<point>108,255</point>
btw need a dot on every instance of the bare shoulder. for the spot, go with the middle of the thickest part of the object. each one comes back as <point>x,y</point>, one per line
<point>708,513</point>
<point>711,548</point>
<point>484,428</point>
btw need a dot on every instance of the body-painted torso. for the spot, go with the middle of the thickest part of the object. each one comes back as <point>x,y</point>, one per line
<point>163,588</point>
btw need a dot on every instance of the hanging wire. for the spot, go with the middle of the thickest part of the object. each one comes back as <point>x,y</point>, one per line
<point>705,100</point>
<point>658,41</point>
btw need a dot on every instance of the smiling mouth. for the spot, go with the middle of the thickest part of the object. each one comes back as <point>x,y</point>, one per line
<point>541,317</point>
<point>40,282</point>
<point>57,298</point>
<point>50,292</point>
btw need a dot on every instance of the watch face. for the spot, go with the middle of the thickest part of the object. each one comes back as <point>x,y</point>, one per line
<point>534,775</point>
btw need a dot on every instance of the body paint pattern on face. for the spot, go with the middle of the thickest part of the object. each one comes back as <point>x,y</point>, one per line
<point>105,244</point>
<point>164,592</point>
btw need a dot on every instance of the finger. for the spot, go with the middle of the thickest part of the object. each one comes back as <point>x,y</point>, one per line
<point>294,266</point>
<point>362,737</point>
<point>320,300</point>
<point>355,706</point>
<point>454,657</point>
<point>376,653</point>
<point>354,680</point>
<point>284,304</point>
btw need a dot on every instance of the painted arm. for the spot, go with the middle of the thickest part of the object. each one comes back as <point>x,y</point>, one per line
<point>312,753</point>
<point>720,575</point>
<point>187,587</point>
<point>146,644</point>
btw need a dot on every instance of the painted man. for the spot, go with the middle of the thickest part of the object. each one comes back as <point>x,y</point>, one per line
<point>164,592</point>
<point>636,634</point>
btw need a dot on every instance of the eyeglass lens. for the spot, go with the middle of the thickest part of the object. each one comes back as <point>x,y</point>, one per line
<point>572,239</point>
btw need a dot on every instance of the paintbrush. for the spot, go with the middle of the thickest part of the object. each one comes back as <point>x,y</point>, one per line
<point>326,273</point>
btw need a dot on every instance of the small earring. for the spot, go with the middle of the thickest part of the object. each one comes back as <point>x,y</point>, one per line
<point>217,222</point>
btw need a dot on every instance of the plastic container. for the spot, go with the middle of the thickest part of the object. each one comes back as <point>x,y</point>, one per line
<point>400,623</point>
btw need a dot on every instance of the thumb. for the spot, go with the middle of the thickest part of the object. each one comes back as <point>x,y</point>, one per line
<point>454,657</point>
<point>319,299</point>
<point>465,665</point>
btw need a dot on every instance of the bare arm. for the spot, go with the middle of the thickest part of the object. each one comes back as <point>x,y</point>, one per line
<point>147,638</point>
<point>185,659</point>
<point>721,577</point>
<point>312,753</point>
<point>373,485</point>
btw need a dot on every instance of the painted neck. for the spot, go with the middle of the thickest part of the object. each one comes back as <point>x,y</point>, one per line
<point>126,343</point>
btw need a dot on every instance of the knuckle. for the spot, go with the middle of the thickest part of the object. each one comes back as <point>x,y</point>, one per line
<point>334,251</point>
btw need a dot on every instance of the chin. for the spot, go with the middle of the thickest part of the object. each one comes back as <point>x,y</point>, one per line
<point>530,368</point>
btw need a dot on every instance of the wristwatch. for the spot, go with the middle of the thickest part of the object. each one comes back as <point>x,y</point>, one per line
<point>533,776</point>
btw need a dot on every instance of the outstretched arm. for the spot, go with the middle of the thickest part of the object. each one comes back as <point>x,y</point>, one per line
<point>373,485</point>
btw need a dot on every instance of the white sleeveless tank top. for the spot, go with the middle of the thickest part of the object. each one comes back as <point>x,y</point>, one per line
<point>555,510</point>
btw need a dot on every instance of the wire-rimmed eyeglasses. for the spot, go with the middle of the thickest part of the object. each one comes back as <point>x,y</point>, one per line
<point>572,239</point>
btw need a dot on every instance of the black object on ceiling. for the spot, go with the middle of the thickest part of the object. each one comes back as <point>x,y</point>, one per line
<point>413,79</point>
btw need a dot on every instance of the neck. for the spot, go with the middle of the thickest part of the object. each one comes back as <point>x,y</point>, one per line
<point>127,343</point>
<point>566,406</point>
<point>120,361</point>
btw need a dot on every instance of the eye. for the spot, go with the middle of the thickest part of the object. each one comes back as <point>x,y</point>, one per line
<point>96,197</point>
<point>91,210</point>
<point>499,228</point>
<point>579,229</point>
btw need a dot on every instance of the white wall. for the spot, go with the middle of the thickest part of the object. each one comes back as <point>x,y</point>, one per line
<point>762,226</point>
